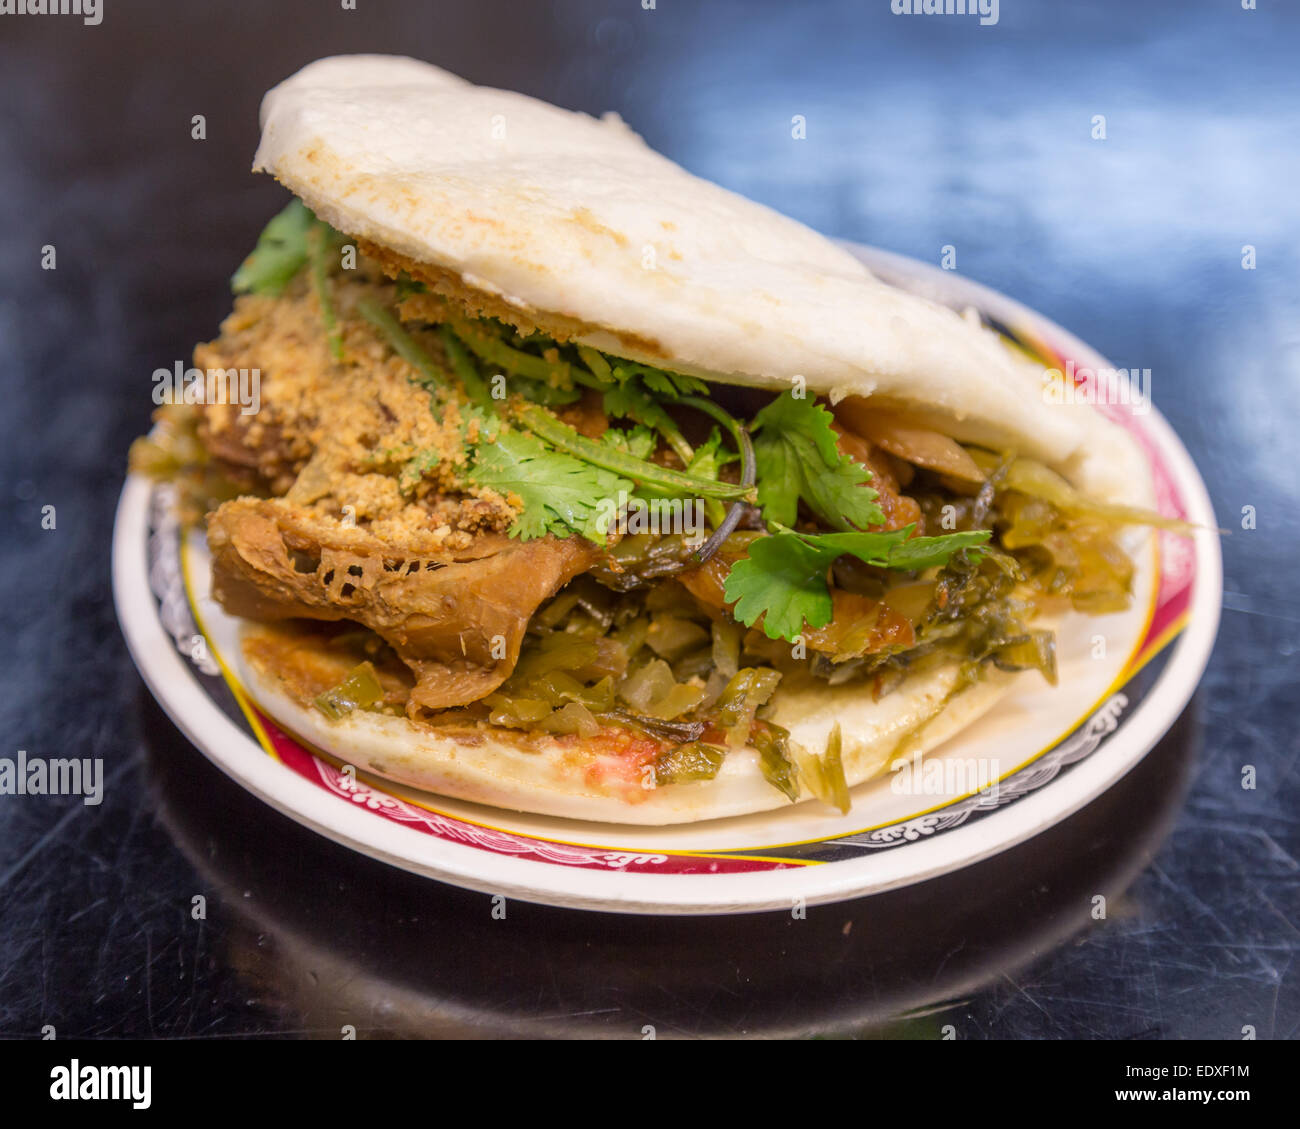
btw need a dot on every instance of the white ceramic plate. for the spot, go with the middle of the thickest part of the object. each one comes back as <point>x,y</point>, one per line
<point>1049,750</point>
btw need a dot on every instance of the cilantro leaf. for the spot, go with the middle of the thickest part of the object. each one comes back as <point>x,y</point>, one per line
<point>539,392</point>
<point>797,457</point>
<point>281,252</point>
<point>638,441</point>
<point>710,456</point>
<point>669,385</point>
<point>560,494</point>
<point>630,400</point>
<point>416,467</point>
<point>783,579</point>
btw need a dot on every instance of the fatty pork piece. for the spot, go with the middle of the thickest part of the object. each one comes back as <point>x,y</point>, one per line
<point>440,611</point>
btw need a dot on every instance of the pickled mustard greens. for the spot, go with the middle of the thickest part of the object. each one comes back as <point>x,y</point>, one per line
<point>684,763</point>
<point>631,659</point>
<point>740,699</point>
<point>978,613</point>
<point>360,690</point>
<point>824,775</point>
<point>1032,478</point>
<point>774,759</point>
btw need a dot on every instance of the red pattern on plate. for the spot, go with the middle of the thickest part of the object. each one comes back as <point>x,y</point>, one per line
<point>347,786</point>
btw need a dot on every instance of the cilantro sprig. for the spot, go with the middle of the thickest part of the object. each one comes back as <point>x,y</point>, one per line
<point>629,399</point>
<point>490,347</point>
<point>547,426</point>
<point>798,459</point>
<point>638,441</point>
<point>565,481</point>
<point>429,375</point>
<point>559,494</point>
<point>783,579</point>
<point>321,241</point>
<point>281,252</point>
<point>293,239</point>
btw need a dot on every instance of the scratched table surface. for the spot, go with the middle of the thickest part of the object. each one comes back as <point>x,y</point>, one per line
<point>921,132</point>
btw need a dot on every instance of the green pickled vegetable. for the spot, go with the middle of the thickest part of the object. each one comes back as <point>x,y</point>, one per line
<point>682,698</point>
<point>516,713</point>
<point>574,718</point>
<point>671,636</point>
<point>726,646</point>
<point>824,775</point>
<point>778,769</point>
<point>833,770</point>
<point>647,685</point>
<point>684,763</point>
<point>739,702</point>
<point>683,731</point>
<point>640,559</point>
<point>632,635</point>
<point>1034,650</point>
<point>360,690</point>
<point>1033,478</point>
<point>555,652</point>
<point>694,665</point>
<point>653,691</point>
<point>557,610</point>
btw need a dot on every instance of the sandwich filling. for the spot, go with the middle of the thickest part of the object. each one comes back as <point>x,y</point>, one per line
<point>454,510</point>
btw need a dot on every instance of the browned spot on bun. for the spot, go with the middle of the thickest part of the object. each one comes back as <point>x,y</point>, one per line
<point>584,218</point>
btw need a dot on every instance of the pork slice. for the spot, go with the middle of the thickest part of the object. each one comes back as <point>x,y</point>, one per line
<point>456,617</point>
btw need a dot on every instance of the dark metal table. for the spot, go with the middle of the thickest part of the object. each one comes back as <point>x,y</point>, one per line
<point>921,132</point>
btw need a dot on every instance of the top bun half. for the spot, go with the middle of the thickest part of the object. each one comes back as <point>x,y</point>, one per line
<point>579,226</point>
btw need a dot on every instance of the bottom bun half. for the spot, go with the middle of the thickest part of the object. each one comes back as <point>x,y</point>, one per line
<point>603,779</point>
